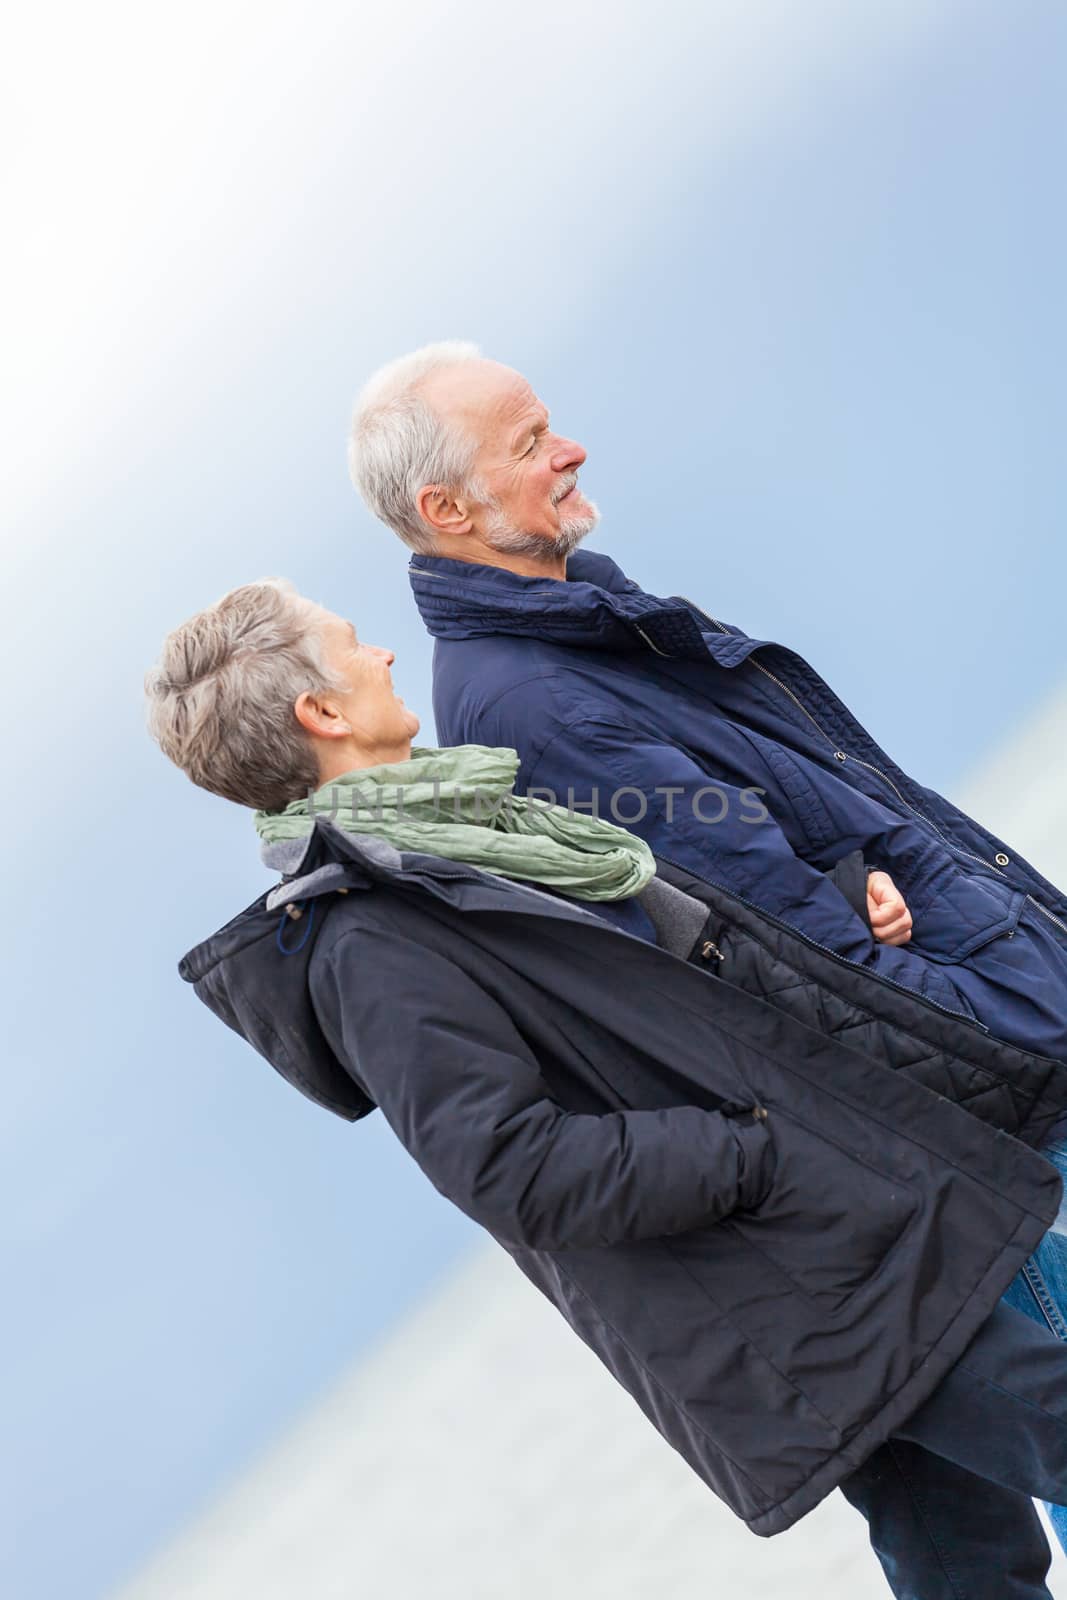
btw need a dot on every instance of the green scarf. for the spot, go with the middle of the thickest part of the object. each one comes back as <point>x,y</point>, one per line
<point>459,803</point>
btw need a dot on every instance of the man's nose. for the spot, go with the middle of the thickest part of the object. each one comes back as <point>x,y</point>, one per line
<point>567,456</point>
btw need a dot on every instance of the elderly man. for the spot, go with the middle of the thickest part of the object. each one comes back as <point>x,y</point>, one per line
<point>730,755</point>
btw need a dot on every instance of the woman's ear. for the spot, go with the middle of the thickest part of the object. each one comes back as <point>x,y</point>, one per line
<point>320,716</point>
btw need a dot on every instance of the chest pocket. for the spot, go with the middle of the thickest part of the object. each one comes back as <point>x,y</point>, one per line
<point>965,912</point>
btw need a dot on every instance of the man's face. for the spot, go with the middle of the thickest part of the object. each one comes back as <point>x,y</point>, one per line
<point>530,472</point>
<point>375,712</point>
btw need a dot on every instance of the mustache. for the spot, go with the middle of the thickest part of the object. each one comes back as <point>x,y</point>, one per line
<point>564,486</point>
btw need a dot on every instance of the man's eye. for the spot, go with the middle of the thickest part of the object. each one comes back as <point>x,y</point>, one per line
<point>531,450</point>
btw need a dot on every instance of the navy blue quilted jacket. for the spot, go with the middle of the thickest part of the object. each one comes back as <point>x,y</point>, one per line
<point>729,754</point>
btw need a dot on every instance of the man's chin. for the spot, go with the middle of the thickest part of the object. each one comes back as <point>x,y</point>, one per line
<point>572,530</point>
<point>509,540</point>
<point>580,525</point>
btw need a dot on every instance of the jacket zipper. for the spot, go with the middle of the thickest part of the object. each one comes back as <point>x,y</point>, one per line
<point>1049,914</point>
<point>842,755</point>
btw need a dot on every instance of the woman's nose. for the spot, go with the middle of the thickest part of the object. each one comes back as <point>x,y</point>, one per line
<point>388,656</point>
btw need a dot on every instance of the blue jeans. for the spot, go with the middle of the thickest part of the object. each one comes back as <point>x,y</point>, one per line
<point>1017,986</point>
<point>1040,1292</point>
<point>948,1497</point>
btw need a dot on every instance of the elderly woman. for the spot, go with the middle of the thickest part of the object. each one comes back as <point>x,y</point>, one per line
<point>789,1249</point>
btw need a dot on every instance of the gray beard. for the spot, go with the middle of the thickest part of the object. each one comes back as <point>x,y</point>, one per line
<point>503,536</point>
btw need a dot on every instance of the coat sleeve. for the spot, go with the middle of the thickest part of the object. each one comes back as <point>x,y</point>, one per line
<point>726,835</point>
<point>462,1091</point>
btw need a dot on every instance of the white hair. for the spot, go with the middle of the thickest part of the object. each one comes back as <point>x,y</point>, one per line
<point>399,443</point>
<point>220,699</point>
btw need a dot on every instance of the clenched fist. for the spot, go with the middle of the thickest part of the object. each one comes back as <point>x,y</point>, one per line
<point>890,917</point>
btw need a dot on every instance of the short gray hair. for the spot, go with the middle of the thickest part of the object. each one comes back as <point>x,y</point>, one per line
<point>220,698</point>
<point>399,443</point>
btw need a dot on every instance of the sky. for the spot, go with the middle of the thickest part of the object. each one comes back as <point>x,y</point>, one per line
<point>793,276</point>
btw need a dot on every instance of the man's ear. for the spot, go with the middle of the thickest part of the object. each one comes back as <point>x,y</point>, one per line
<point>441,510</point>
<point>320,716</point>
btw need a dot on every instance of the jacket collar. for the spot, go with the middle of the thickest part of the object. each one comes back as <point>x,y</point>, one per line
<point>330,859</point>
<point>596,607</point>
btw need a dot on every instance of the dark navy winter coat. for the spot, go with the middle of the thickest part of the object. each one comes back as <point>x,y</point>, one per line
<point>734,759</point>
<point>774,1192</point>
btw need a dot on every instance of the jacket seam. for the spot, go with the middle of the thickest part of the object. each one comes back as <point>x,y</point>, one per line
<point>546,747</point>
<point>535,677</point>
<point>539,678</point>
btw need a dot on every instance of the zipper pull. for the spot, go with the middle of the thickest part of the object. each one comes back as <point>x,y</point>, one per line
<point>710,949</point>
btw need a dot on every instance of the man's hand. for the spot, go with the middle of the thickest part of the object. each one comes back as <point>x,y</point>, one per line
<point>890,917</point>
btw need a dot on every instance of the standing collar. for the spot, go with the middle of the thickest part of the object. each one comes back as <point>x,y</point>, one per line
<point>583,567</point>
<point>595,607</point>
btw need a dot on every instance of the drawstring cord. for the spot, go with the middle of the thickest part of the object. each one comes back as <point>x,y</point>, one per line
<point>293,911</point>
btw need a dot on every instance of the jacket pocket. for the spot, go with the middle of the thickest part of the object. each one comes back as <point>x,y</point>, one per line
<point>965,912</point>
<point>758,1160</point>
<point>829,1220</point>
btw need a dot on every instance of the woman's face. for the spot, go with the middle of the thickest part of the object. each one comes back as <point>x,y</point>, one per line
<point>377,717</point>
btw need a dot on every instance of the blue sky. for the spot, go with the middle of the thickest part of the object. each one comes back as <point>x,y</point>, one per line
<point>792,275</point>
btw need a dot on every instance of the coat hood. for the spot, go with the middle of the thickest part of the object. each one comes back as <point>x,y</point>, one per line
<point>596,607</point>
<point>253,972</point>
